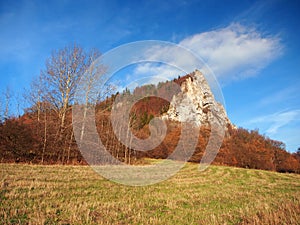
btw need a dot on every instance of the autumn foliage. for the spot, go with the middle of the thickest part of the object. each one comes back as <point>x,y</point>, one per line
<point>36,137</point>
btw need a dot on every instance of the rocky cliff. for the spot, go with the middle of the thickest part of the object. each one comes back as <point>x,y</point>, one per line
<point>196,103</point>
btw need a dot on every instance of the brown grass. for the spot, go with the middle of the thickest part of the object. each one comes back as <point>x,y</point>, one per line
<point>32,194</point>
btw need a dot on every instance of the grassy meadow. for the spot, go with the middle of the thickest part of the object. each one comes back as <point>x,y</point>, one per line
<point>36,194</point>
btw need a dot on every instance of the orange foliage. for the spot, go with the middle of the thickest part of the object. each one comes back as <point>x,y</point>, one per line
<point>23,139</point>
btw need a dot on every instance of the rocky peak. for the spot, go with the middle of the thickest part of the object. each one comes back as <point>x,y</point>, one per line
<point>196,103</point>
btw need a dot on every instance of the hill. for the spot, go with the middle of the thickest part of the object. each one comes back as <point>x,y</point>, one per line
<point>36,194</point>
<point>37,136</point>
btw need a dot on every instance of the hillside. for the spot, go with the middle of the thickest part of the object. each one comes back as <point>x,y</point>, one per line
<point>35,194</point>
<point>37,137</point>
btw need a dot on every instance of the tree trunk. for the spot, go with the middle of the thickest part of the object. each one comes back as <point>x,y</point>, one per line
<point>45,137</point>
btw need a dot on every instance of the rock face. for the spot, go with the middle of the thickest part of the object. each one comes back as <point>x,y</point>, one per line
<point>196,103</point>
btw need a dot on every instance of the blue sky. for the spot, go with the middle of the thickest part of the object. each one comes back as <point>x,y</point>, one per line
<point>252,46</point>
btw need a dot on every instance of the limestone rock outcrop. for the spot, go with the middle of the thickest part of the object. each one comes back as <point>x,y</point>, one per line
<point>196,103</point>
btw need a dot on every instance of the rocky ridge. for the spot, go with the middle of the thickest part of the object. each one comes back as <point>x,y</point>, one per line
<point>196,103</point>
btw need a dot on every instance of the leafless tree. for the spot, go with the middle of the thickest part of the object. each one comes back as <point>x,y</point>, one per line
<point>67,71</point>
<point>90,85</point>
<point>34,97</point>
<point>52,95</point>
<point>8,97</point>
<point>60,78</point>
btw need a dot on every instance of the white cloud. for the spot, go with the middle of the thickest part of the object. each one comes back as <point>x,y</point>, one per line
<point>235,51</point>
<point>276,121</point>
<point>149,73</point>
<point>163,72</point>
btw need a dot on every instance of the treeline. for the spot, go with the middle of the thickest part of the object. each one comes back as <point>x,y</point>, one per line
<point>44,133</point>
<point>23,140</point>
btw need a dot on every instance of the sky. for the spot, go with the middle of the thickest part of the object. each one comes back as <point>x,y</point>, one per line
<point>252,47</point>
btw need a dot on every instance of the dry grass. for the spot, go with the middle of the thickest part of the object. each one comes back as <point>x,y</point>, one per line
<point>32,194</point>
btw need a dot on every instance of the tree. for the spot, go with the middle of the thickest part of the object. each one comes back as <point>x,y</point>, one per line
<point>34,97</point>
<point>89,85</point>
<point>68,71</point>
<point>7,96</point>
<point>60,78</point>
<point>51,97</point>
<point>39,109</point>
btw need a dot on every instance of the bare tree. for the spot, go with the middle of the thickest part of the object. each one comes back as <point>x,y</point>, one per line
<point>89,85</point>
<point>7,96</point>
<point>34,97</point>
<point>93,88</point>
<point>45,136</point>
<point>63,72</point>
<point>52,96</point>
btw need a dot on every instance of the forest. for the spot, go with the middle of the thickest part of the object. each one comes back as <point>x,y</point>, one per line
<point>43,132</point>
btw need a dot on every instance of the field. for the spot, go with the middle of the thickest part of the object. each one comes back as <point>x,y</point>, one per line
<point>35,194</point>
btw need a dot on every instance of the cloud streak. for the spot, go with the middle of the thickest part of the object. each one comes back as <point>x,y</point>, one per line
<point>286,94</point>
<point>276,121</point>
